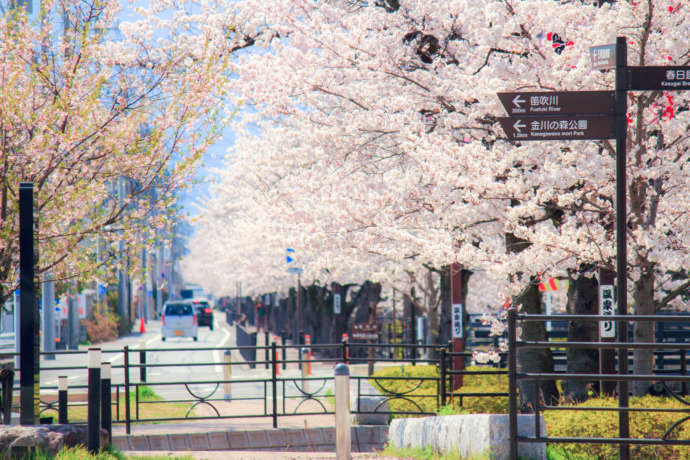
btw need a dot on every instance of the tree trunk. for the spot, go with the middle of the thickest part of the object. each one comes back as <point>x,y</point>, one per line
<point>643,360</point>
<point>534,359</point>
<point>445,324</point>
<point>582,300</point>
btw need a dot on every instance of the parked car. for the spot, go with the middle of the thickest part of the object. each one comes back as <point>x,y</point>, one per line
<point>204,312</point>
<point>179,320</point>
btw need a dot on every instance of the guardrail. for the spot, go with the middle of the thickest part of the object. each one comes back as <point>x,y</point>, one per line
<point>623,378</point>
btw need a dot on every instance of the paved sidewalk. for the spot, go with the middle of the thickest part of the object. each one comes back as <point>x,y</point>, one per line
<point>245,455</point>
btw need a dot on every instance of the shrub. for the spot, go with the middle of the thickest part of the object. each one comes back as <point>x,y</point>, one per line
<point>425,394</point>
<point>103,326</point>
<point>604,424</point>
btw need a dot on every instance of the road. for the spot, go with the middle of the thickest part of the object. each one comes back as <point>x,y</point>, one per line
<point>175,362</point>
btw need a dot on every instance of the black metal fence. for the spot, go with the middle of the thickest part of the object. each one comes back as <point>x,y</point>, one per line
<point>623,378</point>
<point>274,394</point>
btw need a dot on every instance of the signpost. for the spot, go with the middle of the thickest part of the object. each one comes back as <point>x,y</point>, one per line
<point>670,78</point>
<point>456,300</point>
<point>557,128</point>
<point>591,118</point>
<point>603,56</point>
<point>559,103</point>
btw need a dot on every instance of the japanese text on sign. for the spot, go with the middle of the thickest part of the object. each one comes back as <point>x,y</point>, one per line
<point>457,321</point>
<point>607,329</point>
<point>336,304</point>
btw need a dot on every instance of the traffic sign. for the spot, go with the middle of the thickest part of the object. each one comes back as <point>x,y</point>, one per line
<point>558,103</point>
<point>558,128</point>
<point>670,78</point>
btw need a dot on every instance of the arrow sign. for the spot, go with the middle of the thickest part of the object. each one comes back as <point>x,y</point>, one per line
<point>518,126</point>
<point>670,78</point>
<point>517,102</point>
<point>558,103</point>
<point>558,128</point>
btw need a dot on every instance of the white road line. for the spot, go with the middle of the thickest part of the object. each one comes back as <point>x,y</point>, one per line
<point>217,355</point>
<point>121,355</point>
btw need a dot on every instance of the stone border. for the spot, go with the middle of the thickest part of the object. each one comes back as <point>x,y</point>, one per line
<point>364,439</point>
<point>467,435</point>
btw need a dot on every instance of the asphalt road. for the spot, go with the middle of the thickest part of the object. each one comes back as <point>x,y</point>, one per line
<point>174,365</point>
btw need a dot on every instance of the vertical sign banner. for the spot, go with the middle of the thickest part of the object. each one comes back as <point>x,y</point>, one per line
<point>607,329</point>
<point>457,320</point>
<point>548,308</point>
<point>336,304</point>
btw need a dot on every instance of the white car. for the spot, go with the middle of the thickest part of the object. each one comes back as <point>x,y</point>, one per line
<point>179,320</point>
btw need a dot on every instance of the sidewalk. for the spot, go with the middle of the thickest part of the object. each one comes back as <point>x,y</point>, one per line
<point>248,455</point>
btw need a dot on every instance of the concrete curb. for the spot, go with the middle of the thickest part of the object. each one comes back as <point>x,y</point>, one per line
<point>364,439</point>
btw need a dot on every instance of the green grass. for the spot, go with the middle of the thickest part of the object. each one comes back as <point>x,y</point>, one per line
<point>79,453</point>
<point>151,405</point>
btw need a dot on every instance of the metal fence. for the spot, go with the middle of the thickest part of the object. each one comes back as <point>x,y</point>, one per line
<point>623,378</point>
<point>280,392</point>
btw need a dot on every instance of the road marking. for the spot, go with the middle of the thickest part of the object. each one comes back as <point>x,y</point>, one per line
<point>121,355</point>
<point>218,356</point>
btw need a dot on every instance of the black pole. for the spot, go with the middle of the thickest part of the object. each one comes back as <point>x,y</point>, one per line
<point>512,383</point>
<point>106,401</point>
<point>93,442</point>
<point>621,236</point>
<point>442,373</point>
<point>142,368</point>
<point>128,415</point>
<point>28,310</point>
<point>274,383</point>
<point>266,338</point>
<point>282,340</point>
<point>62,400</point>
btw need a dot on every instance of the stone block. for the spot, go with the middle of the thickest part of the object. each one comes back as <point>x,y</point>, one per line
<point>121,443</point>
<point>276,438</point>
<point>178,442</point>
<point>377,404</point>
<point>314,437</point>
<point>139,443</point>
<point>294,438</point>
<point>238,440</point>
<point>159,442</point>
<point>218,441</point>
<point>328,436</point>
<point>199,441</point>
<point>469,435</point>
<point>48,438</point>
<point>257,439</point>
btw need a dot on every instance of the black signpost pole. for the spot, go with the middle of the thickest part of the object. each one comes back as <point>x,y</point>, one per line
<point>621,236</point>
<point>28,315</point>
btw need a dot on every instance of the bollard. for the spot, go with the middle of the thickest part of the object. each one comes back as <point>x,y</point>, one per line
<point>307,341</point>
<point>346,350</point>
<point>342,412</point>
<point>106,401</point>
<point>93,442</point>
<point>303,357</point>
<point>282,341</point>
<point>142,363</point>
<point>62,399</point>
<point>227,375</point>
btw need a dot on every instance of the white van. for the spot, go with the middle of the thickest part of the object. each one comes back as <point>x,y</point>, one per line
<point>179,320</point>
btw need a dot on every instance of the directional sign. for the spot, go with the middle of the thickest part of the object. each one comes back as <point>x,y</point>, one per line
<point>560,103</point>
<point>558,128</point>
<point>670,78</point>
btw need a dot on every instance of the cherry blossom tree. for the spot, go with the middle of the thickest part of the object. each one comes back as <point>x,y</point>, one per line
<point>380,147</point>
<point>92,106</point>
